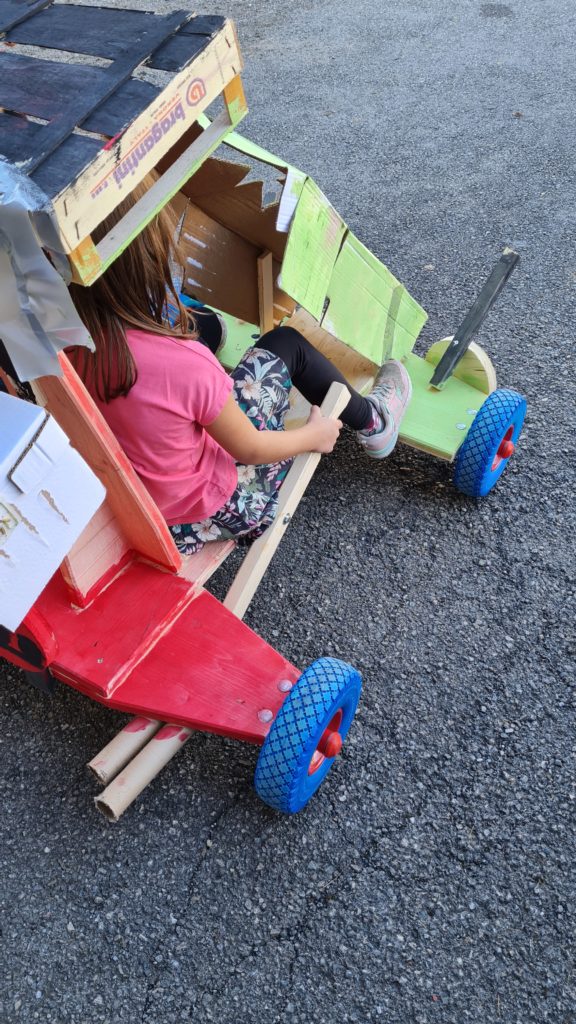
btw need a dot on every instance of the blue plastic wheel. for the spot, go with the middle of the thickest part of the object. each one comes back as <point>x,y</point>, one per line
<point>307,734</point>
<point>490,443</point>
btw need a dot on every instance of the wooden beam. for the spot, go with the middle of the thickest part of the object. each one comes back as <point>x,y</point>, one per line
<point>266,292</point>
<point>260,554</point>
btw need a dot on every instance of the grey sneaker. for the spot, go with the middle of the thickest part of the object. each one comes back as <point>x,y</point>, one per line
<point>390,396</point>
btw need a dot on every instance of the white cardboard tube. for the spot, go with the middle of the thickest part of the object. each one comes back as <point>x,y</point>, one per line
<point>114,800</point>
<point>122,748</point>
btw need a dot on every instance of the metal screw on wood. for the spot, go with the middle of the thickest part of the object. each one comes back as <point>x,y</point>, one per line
<point>287,519</point>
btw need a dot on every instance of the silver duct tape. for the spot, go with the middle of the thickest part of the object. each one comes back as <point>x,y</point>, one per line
<point>37,316</point>
<point>18,188</point>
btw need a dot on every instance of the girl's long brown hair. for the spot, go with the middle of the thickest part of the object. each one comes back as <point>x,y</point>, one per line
<point>131,293</point>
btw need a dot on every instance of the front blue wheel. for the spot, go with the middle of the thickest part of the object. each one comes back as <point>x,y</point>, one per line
<point>490,442</point>
<point>307,734</point>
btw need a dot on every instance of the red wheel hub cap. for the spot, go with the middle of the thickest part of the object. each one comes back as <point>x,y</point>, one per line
<point>329,744</point>
<point>506,448</point>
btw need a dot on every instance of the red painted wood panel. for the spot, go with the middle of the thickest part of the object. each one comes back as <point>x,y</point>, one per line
<point>210,672</point>
<point>99,645</point>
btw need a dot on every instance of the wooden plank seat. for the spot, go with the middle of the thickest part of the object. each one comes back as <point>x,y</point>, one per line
<point>200,666</point>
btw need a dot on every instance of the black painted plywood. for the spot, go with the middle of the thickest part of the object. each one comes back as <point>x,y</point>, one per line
<point>186,44</point>
<point>14,11</point>
<point>102,100</point>
<point>63,167</point>
<point>100,32</point>
<point>111,33</point>
<point>38,87</point>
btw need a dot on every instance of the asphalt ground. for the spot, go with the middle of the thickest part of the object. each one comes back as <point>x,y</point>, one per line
<point>431,880</point>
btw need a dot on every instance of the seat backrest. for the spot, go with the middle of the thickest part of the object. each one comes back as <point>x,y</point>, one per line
<point>129,523</point>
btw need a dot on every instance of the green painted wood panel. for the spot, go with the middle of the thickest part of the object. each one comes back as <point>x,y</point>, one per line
<point>368,308</point>
<point>438,421</point>
<point>313,244</point>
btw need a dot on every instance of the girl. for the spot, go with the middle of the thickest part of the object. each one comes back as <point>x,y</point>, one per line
<point>210,448</point>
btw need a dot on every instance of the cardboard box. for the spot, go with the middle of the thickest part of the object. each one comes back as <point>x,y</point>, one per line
<point>47,496</point>
<point>246,203</point>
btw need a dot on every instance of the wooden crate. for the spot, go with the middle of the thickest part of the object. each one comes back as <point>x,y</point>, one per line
<point>87,135</point>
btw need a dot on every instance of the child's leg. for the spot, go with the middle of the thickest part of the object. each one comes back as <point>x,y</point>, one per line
<point>246,514</point>
<point>262,383</point>
<point>376,419</point>
<point>261,388</point>
<point>313,374</point>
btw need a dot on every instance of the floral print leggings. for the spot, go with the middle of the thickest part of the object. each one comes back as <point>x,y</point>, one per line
<point>261,388</point>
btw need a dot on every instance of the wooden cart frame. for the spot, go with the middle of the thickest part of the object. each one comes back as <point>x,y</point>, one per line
<point>298,263</point>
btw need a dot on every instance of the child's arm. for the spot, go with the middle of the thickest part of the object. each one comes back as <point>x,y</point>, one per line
<point>234,431</point>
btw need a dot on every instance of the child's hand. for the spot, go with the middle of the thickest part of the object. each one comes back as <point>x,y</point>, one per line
<point>323,432</point>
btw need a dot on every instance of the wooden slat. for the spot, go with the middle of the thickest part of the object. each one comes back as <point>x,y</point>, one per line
<point>110,33</point>
<point>200,567</point>
<point>44,88</point>
<point>203,24</point>
<point>17,136</point>
<point>139,518</point>
<point>266,292</point>
<point>66,163</point>
<point>37,87</point>
<point>260,554</point>
<point>177,52</point>
<point>121,108</point>
<point>100,32</point>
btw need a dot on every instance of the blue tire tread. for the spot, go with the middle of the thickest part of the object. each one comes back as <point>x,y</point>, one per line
<point>281,772</point>
<point>473,474</point>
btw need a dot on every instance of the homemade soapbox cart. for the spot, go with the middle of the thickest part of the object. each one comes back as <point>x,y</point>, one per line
<point>125,619</point>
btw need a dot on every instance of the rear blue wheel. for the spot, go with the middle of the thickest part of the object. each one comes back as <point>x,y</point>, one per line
<point>490,443</point>
<point>307,734</point>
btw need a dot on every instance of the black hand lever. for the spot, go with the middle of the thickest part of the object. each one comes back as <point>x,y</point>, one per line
<point>474,318</point>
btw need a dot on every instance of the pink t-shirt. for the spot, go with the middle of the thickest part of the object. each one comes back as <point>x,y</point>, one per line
<point>181,388</point>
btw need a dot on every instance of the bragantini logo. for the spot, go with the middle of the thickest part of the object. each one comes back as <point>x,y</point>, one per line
<point>195,92</point>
